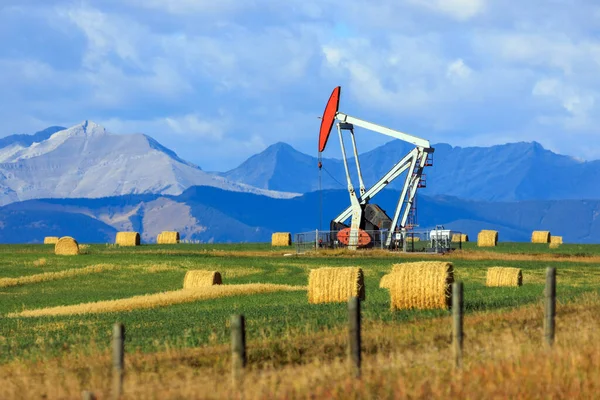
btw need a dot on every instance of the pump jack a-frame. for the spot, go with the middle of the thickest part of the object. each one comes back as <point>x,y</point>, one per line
<point>360,211</point>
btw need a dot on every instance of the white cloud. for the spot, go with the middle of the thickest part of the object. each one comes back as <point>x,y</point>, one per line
<point>107,35</point>
<point>193,125</point>
<point>579,105</point>
<point>189,125</point>
<point>229,57</point>
<point>394,76</point>
<point>540,50</point>
<point>192,6</point>
<point>459,9</point>
<point>211,142</point>
<point>457,71</point>
<point>409,78</point>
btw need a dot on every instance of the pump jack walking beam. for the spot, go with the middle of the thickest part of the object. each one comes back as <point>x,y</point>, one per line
<point>383,130</point>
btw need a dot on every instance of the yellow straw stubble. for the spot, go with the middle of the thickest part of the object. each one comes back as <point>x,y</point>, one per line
<point>158,299</point>
<point>51,276</point>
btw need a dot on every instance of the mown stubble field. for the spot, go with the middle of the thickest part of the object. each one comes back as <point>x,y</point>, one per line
<point>295,350</point>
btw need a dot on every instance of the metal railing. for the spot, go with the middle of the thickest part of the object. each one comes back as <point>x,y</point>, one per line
<point>411,241</point>
<point>320,240</point>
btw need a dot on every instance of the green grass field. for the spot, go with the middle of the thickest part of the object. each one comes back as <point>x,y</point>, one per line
<point>583,250</point>
<point>153,269</point>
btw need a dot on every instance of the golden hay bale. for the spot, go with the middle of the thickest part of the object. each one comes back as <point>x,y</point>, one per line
<point>128,239</point>
<point>421,285</point>
<point>66,246</point>
<point>335,285</point>
<point>201,278</point>
<point>504,276</point>
<point>540,237</point>
<point>167,237</point>
<point>385,281</point>
<point>460,237</point>
<point>487,238</point>
<point>417,264</point>
<point>556,240</point>
<point>50,239</point>
<point>281,239</point>
<point>554,245</point>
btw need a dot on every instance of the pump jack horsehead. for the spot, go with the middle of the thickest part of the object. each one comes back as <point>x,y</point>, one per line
<point>366,216</point>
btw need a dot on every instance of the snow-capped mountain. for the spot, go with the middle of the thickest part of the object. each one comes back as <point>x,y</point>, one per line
<point>87,161</point>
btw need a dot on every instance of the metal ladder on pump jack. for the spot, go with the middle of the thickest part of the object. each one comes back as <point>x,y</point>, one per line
<point>411,221</point>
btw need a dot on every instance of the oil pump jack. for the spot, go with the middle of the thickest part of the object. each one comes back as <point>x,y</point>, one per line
<point>364,215</point>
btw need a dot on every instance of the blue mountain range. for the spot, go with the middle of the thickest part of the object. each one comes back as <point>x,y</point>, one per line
<point>514,188</point>
<point>225,220</point>
<point>509,172</point>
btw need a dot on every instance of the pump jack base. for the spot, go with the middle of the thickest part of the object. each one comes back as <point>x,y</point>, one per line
<point>364,239</point>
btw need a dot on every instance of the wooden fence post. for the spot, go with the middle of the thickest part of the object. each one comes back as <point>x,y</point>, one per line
<point>354,334</point>
<point>87,395</point>
<point>118,347</point>
<point>457,323</point>
<point>550,305</point>
<point>238,348</point>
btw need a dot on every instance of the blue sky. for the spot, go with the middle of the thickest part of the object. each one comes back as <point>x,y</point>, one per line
<point>218,81</point>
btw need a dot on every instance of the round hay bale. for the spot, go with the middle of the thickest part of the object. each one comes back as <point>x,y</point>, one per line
<point>200,278</point>
<point>487,238</point>
<point>281,239</point>
<point>127,239</point>
<point>167,237</point>
<point>421,285</point>
<point>503,276</point>
<point>66,246</point>
<point>540,237</point>
<point>556,240</point>
<point>460,237</point>
<point>50,239</point>
<point>335,284</point>
<point>385,281</point>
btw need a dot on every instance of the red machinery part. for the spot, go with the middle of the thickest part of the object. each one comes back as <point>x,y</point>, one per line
<point>329,117</point>
<point>363,237</point>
